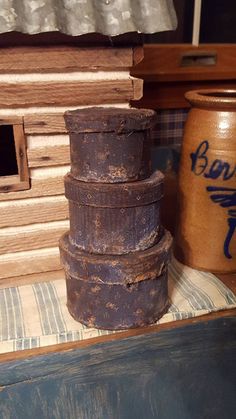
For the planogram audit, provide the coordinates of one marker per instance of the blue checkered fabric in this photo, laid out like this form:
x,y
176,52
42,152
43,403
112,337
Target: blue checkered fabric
x,y
170,126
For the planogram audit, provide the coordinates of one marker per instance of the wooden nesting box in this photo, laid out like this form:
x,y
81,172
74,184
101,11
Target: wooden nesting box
x,y
116,253
119,220
117,292
113,201
110,145
37,84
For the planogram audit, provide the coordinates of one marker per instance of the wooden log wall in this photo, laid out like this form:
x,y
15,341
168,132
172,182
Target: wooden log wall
x,y
38,85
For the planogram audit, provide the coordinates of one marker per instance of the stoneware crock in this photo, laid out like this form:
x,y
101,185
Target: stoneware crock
x,y
206,226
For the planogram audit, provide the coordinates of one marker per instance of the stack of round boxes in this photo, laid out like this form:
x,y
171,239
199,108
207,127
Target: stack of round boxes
x,y
116,253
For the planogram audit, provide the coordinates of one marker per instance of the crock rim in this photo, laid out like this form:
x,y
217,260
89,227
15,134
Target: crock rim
x,y
207,98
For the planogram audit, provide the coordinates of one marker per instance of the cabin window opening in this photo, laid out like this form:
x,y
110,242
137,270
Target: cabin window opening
x,y
14,171
8,162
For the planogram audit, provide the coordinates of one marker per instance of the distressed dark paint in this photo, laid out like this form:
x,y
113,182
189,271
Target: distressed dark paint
x,y
109,145
183,373
116,292
109,306
115,269
99,119
114,212
114,228
128,194
109,157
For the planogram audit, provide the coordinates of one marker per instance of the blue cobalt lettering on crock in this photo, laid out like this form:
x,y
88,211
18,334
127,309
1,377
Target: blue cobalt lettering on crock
x,y
214,170
225,197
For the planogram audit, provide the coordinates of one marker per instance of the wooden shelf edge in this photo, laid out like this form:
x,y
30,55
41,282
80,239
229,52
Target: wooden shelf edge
x,y
162,63
69,346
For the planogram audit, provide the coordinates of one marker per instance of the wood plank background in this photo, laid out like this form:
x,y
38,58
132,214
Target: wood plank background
x,y
48,156
67,58
25,94
33,236
39,187
11,120
27,216
15,281
30,211
44,124
32,261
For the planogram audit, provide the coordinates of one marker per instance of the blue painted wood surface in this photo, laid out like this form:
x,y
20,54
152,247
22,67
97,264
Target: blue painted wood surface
x,y
181,373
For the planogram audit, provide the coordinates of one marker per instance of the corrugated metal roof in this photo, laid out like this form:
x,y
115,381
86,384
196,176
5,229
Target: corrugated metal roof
x,y
77,17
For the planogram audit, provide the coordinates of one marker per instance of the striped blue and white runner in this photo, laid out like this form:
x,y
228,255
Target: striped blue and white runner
x,y
36,315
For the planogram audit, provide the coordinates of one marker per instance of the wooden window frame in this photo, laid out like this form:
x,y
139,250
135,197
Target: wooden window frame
x,y
20,181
